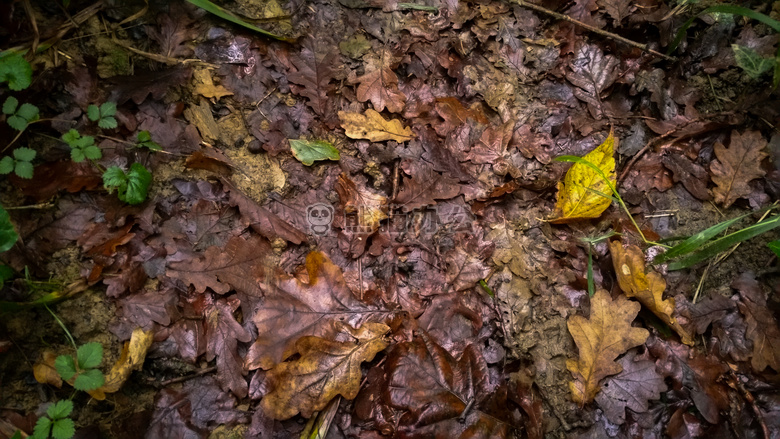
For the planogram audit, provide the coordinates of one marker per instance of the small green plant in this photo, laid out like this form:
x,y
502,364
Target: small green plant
x,y
57,424
81,147
83,367
20,163
16,71
132,186
19,116
144,140
103,115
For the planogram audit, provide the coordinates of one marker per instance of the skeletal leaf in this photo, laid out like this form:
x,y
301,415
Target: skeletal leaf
x,y
647,287
584,192
325,369
600,339
372,126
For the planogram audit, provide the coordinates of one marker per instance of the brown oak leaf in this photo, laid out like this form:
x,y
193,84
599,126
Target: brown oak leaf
x,y
369,207
325,369
316,67
631,388
762,328
372,126
424,187
647,287
223,333
736,166
292,309
600,339
379,84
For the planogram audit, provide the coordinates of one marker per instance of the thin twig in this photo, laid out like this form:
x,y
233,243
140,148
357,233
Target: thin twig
x,y
188,377
595,30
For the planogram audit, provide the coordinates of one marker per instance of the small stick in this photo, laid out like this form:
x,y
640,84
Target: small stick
x,y
595,30
189,377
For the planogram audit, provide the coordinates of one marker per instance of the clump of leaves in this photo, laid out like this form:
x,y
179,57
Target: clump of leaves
x,y
83,367
132,186
144,140
19,116
20,163
82,147
57,424
103,115
16,71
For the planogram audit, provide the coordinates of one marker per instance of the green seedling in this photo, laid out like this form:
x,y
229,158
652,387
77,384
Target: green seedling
x,y
83,366
15,70
19,116
81,147
144,140
57,423
775,247
132,187
103,115
20,164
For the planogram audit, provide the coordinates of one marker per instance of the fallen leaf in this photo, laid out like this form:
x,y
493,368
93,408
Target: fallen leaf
x,y
223,333
736,166
372,126
424,187
370,208
647,287
325,369
600,339
379,84
455,115
584,193
316,68
309,151
762,328
261,219
631,388
291,309
592,72
692,175
45,372
239,266
432,389
132,358
205,87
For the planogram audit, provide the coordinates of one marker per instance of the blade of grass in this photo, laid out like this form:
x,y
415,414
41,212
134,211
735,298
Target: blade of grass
x,y
229,16
696,241
725,242
726,9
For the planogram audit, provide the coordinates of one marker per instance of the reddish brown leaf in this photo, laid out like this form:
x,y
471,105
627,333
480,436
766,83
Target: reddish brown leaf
x,y
292,308
762,328
631,388
261,219
455,115
223,333
592,72
736,166
370,208
51,178
424,187
316,67
239,266
379,84
692,176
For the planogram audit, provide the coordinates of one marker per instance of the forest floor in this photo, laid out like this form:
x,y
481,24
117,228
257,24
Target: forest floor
x,y
358,219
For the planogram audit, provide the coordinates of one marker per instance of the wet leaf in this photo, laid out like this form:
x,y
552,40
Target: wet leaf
x,y
372,126
45,371
309,151
325,369
736,166
762,328
647,286
223,333
592,72
424,187
369,207
379,84
585,192
631,388
600,339
316,68
292,308
132,358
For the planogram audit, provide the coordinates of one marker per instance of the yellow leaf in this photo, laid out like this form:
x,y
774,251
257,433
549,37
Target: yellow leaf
x,y
648,287
132,358
600,339
44,370
325,369
374,127
584,193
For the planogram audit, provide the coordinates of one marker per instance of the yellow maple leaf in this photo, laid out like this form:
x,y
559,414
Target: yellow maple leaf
x,y
325,369
647,287
584,193
600,339
372,126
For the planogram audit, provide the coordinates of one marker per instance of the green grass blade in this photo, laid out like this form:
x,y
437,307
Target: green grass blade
x,y
725,242
726,9
696,241
229,16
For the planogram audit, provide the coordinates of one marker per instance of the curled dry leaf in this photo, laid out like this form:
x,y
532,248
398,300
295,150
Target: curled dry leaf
x,y
736,166
372,126
600,339
132,358
584,193
647,287
325,369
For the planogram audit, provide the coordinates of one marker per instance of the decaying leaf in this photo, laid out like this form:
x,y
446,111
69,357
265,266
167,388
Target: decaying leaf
x,y
372,126
369,207
379,84
631,388
223,332
762,328
647,287
292,309
736,166
584,193
132,358
600,339
325,369
44,371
